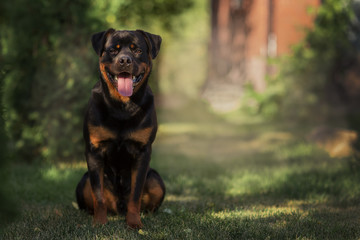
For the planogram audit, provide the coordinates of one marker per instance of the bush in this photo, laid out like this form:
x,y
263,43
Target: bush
x,y
49,66
306,86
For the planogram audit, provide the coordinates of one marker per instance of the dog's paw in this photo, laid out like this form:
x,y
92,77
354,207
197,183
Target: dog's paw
x,y
101,221
133,220
100,218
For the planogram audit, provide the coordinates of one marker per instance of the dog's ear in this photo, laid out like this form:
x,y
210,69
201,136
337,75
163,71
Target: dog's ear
x,y
153,41
98,40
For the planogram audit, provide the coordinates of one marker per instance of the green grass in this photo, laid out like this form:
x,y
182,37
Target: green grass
x,y
227,177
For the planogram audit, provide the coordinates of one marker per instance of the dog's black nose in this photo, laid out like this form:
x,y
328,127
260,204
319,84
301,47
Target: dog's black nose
x,y
125,60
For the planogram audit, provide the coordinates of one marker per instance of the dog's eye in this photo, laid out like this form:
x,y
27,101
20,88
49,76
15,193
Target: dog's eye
x,y
138,51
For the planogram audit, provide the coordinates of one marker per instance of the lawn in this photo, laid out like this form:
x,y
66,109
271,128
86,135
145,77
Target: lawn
x,y
227,177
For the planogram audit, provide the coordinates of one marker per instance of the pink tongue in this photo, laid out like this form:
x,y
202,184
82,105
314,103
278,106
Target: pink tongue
x,y
125,86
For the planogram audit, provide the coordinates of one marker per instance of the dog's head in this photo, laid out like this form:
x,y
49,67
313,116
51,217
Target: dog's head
x,y
125,59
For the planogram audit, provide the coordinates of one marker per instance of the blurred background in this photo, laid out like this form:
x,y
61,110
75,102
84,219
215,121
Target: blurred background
x,y
290,62
277,58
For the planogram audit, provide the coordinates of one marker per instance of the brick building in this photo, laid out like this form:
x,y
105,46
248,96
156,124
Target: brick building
x,y
275,25
245,33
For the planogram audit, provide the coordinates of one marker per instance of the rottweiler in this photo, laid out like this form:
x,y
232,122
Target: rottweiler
x,y
119,128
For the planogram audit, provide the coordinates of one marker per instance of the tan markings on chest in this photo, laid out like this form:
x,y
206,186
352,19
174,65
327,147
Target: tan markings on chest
x,y
99,134
142,135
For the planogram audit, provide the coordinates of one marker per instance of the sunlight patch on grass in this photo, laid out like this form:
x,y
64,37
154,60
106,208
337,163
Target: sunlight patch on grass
x,y
62,171
56,174
177,128
249,182
204,129
298,150
73,165
259,212
180,198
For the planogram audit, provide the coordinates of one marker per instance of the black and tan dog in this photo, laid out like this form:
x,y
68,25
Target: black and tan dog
x,y
119,128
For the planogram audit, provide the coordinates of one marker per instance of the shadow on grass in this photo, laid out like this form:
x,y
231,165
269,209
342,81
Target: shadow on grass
x,y
337,187
38,184
314,204
278,224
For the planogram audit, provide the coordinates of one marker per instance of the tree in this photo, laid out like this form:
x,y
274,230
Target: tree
x,y
49,66
320,80
226,74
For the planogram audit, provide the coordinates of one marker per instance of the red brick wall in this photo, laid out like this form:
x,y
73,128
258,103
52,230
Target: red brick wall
x,y
257,22
290,19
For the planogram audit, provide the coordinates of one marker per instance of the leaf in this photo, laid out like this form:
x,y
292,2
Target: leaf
x,y
167,210
75,205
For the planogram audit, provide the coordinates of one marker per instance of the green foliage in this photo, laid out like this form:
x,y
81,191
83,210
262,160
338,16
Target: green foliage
x,y
49,66
303,85
7,208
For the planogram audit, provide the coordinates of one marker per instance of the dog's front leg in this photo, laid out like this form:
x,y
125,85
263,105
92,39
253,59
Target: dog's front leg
x,y
96,172
138,176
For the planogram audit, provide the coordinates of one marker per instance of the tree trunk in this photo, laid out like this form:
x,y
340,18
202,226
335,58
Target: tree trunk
x,y
226,74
